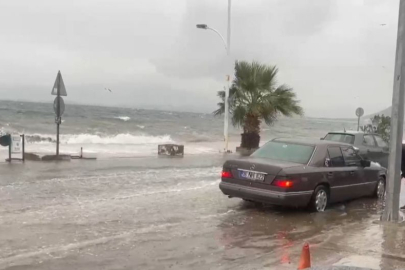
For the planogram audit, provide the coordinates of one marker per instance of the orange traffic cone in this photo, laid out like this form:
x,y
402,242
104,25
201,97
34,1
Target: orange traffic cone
x,y
305,260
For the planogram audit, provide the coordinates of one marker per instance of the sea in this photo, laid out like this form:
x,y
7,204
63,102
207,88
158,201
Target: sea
x,y
112,132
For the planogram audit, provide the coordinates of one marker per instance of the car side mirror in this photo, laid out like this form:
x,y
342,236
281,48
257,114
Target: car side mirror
x,y
365,163
322,139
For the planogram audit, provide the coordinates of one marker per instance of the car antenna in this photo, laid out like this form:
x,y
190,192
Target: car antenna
x,y
344,129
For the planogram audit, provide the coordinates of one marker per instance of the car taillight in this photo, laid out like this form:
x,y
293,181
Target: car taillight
x,y
226,174
283,183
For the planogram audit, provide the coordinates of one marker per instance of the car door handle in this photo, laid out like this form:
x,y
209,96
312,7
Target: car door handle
x,y
330,174
352,172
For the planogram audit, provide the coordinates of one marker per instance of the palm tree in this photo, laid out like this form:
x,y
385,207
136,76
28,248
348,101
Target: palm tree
x,y
254,97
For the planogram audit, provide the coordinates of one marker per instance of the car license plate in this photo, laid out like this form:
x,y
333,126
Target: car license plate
x,y
255,176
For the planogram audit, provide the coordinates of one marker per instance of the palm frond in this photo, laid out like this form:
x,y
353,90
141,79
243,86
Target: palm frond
x,y
220,110
221,94
255,97
238,116
286,102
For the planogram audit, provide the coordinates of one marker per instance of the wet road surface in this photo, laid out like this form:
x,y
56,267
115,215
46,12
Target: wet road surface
x,y
151,213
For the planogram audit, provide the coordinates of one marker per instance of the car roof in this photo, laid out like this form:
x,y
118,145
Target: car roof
x,y
309,141
351,132
346,132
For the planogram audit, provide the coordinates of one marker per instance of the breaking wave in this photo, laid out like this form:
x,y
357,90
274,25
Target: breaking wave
x,y
128,139
123,118
39,138
117,139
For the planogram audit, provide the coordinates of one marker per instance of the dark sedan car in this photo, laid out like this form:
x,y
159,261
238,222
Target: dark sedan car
x,y
302,173
370,146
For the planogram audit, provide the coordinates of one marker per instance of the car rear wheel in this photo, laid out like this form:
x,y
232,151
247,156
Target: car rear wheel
x,y
319,199
380,189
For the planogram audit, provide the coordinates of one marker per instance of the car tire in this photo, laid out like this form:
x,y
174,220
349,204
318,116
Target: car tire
x,y
380,189
320,199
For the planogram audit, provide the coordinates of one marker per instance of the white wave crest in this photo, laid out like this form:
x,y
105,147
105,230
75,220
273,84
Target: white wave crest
x,y
126,138
117,139
123,118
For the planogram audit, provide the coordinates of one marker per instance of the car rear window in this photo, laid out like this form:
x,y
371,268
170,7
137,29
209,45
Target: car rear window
x,y
291,152
340,137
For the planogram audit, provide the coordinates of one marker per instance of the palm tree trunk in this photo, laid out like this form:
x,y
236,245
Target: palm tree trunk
x,y
251,130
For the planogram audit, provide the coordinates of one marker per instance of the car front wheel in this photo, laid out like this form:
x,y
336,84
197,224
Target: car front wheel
x,y
320,199
380,189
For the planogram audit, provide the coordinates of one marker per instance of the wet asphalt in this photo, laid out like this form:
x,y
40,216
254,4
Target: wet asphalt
x,y
161,213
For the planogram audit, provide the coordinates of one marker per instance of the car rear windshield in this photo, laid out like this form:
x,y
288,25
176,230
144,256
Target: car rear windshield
x,y
340,137
291,152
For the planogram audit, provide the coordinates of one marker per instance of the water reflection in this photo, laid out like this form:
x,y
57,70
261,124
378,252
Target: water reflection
x,y
393,246
278,233
283,237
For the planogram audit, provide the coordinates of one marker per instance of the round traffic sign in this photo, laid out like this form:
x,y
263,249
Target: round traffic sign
x,y
61,106
359,112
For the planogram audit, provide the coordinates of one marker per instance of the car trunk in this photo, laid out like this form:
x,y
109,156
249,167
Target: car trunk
x,y
271,168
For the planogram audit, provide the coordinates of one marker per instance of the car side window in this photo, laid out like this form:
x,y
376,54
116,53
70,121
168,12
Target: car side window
x,y
380,142
369,140
336,157
350,156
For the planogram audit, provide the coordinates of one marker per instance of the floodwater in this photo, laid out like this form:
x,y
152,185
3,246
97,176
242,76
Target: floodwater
x,y
168,213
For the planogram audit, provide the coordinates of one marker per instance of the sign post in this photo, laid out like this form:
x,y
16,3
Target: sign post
x,y
359,113
58,105
391,210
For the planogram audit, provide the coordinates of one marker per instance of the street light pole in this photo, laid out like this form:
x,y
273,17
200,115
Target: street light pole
x,y
391,210
228,66
229,63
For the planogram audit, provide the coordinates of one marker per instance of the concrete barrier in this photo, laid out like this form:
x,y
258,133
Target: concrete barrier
x,y
170,150
32,157
56,158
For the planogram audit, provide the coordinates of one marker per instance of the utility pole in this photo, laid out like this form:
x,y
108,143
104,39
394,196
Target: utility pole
x,y
391,211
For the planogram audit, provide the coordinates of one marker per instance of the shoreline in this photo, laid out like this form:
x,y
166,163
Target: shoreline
x,y
103,151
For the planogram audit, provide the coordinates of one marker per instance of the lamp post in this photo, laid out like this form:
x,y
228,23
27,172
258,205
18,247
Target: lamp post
x,y
227,44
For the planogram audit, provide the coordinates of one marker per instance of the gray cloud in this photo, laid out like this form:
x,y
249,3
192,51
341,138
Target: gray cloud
x,y
334,53
261,31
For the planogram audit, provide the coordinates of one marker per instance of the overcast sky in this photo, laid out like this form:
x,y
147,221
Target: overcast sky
x,y
334,53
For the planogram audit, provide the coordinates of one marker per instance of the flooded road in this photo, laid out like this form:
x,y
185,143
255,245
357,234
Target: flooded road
x,y
151,213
